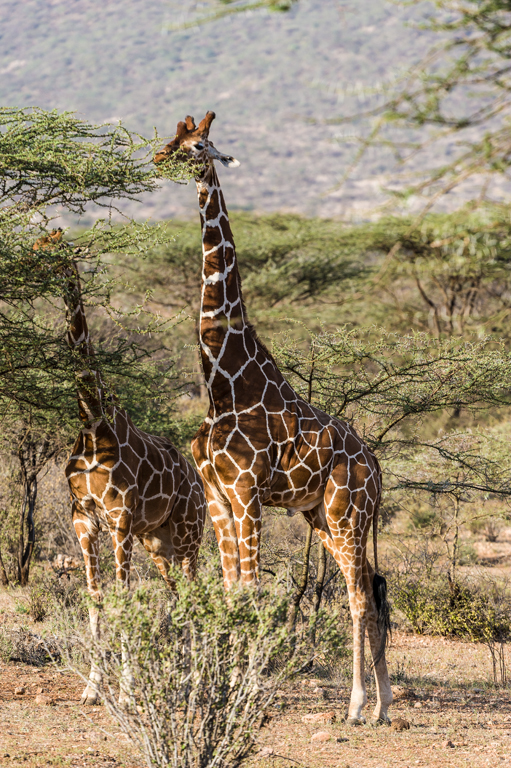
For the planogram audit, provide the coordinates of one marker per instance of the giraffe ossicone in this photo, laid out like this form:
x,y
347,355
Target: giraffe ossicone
x,y
262,444
123,480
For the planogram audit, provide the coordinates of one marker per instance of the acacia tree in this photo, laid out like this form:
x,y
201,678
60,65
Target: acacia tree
x,y
450,275
391,387
55,165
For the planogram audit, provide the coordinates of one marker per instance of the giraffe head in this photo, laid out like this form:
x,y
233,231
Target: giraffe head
x,y
49,241
194,143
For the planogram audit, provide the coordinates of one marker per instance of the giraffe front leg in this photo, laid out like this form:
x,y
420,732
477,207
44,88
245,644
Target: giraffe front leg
x,y
221,514
247,510
122,540
358,698
87,534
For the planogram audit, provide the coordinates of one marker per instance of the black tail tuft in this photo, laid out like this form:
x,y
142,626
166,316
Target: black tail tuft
x,y
383,607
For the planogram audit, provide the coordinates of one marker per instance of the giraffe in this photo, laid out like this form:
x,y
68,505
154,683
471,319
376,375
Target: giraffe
x,y
262,444
123,480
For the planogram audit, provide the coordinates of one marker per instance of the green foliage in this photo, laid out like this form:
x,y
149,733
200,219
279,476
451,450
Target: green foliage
x,y
456,266
439,607
21,608
52,158
384,380
456,100
422,517
49,161
283,258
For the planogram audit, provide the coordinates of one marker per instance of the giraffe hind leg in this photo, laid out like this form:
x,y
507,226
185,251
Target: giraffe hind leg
x,y
339,541
378,629
345,537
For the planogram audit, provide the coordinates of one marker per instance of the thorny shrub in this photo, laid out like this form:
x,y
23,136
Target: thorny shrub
x,y
50,589
478,613
203,666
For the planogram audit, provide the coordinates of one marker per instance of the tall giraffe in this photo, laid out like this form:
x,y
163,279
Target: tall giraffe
x,y
262,444
123,480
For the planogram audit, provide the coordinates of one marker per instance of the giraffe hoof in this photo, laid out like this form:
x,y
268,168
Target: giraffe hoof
x,y
382,720
90,699
355,721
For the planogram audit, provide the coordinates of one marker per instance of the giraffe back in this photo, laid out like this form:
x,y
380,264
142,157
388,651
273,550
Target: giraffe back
x,y
116,467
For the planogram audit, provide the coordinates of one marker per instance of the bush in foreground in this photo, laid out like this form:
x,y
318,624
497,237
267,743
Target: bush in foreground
x,y
200,665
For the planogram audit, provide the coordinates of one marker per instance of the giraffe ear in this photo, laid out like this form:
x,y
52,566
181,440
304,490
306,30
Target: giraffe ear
x,y
181,129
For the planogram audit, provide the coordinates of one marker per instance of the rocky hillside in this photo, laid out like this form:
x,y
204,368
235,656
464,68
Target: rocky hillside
x,y
273,80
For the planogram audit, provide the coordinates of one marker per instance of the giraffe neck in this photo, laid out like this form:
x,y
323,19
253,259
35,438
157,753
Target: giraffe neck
x,y
88,380
223,322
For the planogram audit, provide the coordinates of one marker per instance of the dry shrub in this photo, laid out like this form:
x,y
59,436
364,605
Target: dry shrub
x,y
202,664
51,590
28,647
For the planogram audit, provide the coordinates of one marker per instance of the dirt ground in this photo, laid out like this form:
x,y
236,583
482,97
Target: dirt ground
x,y
444,691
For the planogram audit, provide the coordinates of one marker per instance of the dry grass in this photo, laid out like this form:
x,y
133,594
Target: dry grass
x,y
451,699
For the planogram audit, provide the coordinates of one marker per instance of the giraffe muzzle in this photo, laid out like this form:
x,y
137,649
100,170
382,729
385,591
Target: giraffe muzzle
x,y
227,160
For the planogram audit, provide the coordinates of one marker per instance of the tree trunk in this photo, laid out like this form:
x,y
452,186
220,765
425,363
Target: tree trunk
x,y
318,590
4,579
302,586
26,545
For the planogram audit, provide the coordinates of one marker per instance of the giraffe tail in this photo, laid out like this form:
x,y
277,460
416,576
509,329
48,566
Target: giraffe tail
x,y
380,585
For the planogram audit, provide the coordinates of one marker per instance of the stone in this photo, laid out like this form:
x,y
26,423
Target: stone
x,y
401,692
44,699
319,717
19,691
67,562
447,744
418,705
321,736
266,752
399,724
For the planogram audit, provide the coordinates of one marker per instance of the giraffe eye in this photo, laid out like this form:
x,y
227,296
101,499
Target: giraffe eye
x,y
199,145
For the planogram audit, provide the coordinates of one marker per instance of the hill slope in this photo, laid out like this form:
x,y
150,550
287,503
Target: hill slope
x,y
266,76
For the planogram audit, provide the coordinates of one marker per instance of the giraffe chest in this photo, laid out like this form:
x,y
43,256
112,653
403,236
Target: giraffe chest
x,y
288,455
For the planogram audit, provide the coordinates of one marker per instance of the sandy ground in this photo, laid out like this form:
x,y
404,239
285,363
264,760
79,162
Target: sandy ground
x,y
445,692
